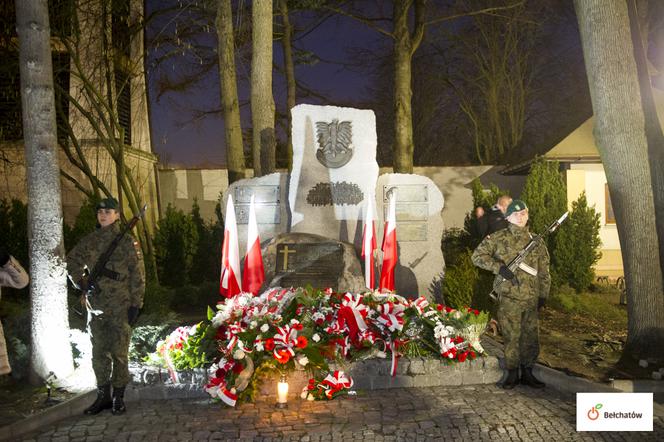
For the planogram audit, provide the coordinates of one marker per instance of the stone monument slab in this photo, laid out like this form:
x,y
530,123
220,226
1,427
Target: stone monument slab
x,y
419,208
270,196
334,169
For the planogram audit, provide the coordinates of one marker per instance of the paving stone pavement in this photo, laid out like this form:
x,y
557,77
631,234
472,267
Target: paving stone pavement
x,y
465,413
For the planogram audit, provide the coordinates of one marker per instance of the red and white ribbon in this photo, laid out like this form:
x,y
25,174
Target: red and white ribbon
x,y
354,312
286,338
335,382
391,315
420,304
231,335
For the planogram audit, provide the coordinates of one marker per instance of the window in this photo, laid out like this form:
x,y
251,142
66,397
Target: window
x,y
609,217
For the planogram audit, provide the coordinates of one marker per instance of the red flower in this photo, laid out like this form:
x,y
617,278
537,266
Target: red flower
x,y
237,368
282,356
221,333
439,307
477,312
269,344
472,354
301,342
297,326
299,309
462,356
448,309
319,321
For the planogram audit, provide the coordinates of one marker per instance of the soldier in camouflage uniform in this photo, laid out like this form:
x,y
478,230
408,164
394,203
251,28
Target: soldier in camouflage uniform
x,y
522,294
119,298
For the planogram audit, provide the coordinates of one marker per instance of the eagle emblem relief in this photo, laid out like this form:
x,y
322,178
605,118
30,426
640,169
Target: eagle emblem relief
x,y
335,143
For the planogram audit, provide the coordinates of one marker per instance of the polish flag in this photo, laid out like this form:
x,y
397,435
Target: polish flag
x,y
389,247
254,274
230,259
368,247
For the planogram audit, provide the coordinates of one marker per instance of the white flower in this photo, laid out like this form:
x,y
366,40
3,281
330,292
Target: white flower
x,y
310,397
253,324
259,346
381,354
238,354
457,314
316,337
294,321
304,393
303,361
318,316
265,328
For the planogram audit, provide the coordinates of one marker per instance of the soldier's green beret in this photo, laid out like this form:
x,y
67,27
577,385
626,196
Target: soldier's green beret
x,y
515,206
108,203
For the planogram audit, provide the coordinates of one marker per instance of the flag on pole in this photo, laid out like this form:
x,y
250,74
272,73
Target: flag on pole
x,y
368,246
389,247
254,274
230,259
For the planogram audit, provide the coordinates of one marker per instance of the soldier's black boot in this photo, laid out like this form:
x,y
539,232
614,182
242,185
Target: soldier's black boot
x,y
102,402
527,378
512,379
118,401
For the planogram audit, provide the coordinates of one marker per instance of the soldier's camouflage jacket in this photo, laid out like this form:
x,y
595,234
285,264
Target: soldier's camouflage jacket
x,y
126,265
500,248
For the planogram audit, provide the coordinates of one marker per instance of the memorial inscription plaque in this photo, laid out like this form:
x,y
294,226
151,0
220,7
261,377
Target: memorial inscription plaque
x,y
412,210
266,201
318,264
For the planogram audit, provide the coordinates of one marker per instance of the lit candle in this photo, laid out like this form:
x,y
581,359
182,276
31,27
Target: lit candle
x,y
282,391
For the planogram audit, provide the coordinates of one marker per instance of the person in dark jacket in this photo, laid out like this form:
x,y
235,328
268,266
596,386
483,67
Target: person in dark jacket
x,y
494,220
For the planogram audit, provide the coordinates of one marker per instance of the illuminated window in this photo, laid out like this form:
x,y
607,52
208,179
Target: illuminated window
x,y
609,217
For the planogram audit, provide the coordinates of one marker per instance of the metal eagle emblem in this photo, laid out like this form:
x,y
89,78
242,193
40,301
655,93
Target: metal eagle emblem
x,y
334,140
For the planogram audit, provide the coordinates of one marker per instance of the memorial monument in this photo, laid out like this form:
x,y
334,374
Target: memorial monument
x,y
311,222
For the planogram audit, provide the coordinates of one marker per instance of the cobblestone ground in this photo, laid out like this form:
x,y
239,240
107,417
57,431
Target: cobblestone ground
x,y
468,413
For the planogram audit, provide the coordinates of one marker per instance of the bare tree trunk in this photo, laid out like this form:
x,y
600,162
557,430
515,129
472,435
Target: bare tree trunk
x,y
405,46
262,100
653,128
229,99
289,67
51,351
623,146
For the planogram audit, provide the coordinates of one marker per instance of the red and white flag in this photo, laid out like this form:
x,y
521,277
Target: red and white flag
x,y
230,258
389,247
368,247
254,274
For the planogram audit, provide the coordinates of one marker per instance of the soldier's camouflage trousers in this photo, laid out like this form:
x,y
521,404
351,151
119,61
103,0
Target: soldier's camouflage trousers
x,y
110,348
518,325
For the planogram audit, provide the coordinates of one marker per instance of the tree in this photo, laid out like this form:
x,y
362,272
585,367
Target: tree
x,y
229,98
289,68
545,194
623,146
101,69
262,100
51,351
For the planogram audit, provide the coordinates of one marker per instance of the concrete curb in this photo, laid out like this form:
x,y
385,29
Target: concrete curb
x,y
71,407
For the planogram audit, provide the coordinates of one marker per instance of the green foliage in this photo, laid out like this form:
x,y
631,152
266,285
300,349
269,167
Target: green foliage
x,y
205,262
158,299
577,246
459,282
86,222
175,242
14,229
456,242
590,305
195,297
545,194
144,338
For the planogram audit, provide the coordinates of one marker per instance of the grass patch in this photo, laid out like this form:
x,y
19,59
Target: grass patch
x,y
601,306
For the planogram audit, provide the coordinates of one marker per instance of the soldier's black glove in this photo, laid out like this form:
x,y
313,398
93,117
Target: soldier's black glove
x,y
132,314
506,273
4,256
540,303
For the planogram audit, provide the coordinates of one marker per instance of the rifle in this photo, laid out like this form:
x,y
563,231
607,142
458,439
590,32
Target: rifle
x,y
521,256
88,283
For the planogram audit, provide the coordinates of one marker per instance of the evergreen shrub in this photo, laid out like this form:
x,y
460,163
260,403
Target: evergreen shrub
x,y
459,282
545,194
577,246
175,241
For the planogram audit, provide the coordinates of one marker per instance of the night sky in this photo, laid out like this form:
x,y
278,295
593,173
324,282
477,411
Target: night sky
x,y
181,139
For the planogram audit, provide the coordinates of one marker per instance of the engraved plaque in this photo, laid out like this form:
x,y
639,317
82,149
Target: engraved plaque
x,y
407,192
262,194
265,213
409,212
318,264
411,232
